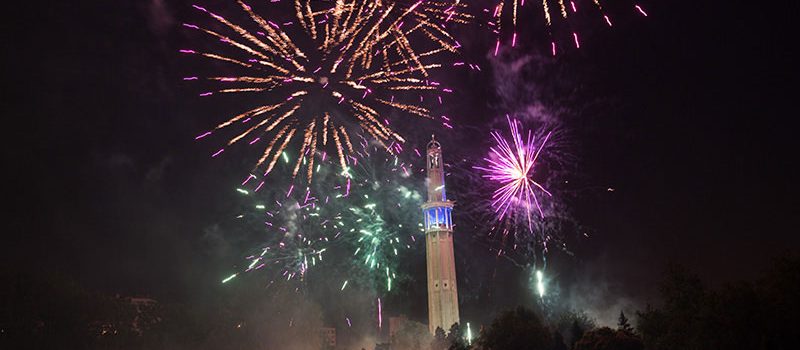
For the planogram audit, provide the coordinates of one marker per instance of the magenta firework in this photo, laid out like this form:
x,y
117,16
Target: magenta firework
x,y
510,166
554,12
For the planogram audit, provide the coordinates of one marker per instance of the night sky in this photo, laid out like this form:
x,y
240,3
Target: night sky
x,y
688,115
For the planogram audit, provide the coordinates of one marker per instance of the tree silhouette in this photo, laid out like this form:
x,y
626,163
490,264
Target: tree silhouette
x,y
576,332
558,341
518,329
439,340
608,339
568,321
455,338
740,315
623,323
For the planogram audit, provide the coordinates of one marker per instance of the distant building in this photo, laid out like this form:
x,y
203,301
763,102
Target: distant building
x,y
328,336
136,315
145,314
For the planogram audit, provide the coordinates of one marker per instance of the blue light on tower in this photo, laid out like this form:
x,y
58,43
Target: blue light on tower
x,y
439,218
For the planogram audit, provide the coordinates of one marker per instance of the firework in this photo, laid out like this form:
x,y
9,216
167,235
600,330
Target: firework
x,y
540,283
298,238
377,244
551,11
511,166
380,314
383,213
328,73
361,228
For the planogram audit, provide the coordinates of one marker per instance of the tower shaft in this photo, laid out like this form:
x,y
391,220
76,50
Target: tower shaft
x,y
437,211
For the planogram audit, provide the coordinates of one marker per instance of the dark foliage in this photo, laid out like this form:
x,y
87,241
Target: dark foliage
x,y
456,338
623,323
439,340
571,324
518,329
608,339
737,316
558,341
576,332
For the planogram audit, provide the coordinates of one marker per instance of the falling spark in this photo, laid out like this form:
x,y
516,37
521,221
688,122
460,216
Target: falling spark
x,y
641,10
229,278
506,14
380,314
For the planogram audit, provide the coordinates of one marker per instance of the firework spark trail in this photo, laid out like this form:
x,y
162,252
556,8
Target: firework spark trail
x,y
381,213
365,224
511,165
297,241
380,314
338,64
548,13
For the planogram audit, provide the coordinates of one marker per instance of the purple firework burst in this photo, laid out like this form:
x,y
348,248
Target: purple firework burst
x,y
511,164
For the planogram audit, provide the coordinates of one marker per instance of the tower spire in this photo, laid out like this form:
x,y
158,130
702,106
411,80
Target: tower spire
x,y
437,212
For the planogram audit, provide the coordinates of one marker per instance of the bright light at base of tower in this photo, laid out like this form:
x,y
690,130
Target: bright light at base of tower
x,y
540,283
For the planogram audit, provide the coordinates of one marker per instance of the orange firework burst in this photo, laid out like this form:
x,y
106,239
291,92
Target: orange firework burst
x,y
328,73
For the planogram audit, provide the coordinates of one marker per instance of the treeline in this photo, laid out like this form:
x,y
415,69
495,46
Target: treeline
x,y
761,314
39,311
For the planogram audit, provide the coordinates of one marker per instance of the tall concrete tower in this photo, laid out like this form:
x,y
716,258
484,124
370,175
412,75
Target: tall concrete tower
x,y
442,291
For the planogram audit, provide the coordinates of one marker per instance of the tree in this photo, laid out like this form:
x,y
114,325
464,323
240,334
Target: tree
x,y
576,332
567,322
679,324
455,338
778,290
518,329
623,323
608,339
439,340
741,315
558,341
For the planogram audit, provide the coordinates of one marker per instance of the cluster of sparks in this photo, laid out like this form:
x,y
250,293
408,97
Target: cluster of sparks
x,y
551,10
376,241
511,165
333,69
372,215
